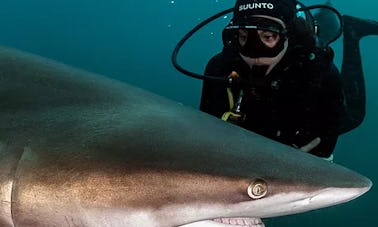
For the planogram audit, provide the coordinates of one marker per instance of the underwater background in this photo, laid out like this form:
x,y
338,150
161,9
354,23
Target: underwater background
x,y
132,41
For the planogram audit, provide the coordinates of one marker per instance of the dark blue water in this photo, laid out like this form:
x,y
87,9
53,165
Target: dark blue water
x,y
132,41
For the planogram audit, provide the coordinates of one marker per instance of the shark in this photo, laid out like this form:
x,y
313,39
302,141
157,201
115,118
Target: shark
x,y
81,149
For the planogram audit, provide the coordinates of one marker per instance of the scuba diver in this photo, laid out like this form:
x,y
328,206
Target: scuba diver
x,y
290,90
275,75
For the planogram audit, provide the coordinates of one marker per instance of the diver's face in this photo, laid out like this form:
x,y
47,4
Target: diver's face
x,y
263,41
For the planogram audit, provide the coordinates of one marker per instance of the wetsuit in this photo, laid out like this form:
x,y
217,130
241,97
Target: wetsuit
x,y
299,100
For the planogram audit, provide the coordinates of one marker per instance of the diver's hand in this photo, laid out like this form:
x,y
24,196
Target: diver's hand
x,y
314,143
308,147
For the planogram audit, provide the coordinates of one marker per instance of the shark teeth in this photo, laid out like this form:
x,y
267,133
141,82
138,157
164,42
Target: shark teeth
x,y
251,222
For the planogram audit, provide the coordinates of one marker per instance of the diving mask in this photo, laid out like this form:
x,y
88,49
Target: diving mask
x,y
260,37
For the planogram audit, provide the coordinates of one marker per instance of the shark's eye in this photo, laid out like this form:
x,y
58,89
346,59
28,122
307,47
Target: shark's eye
x,y
257,189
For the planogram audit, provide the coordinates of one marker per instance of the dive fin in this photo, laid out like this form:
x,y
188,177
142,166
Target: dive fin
x,y
358,28
351,71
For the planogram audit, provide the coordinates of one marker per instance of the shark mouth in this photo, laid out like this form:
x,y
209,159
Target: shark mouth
x,y
250,222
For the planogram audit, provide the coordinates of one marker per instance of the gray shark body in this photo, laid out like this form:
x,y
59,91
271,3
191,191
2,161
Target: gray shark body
x,y
78,149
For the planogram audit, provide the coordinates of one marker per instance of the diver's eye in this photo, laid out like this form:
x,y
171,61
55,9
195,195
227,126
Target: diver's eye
x,y
243,36
257,189
270,39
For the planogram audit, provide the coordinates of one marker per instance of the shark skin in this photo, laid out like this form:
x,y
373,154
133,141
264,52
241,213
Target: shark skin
x,y
79,149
